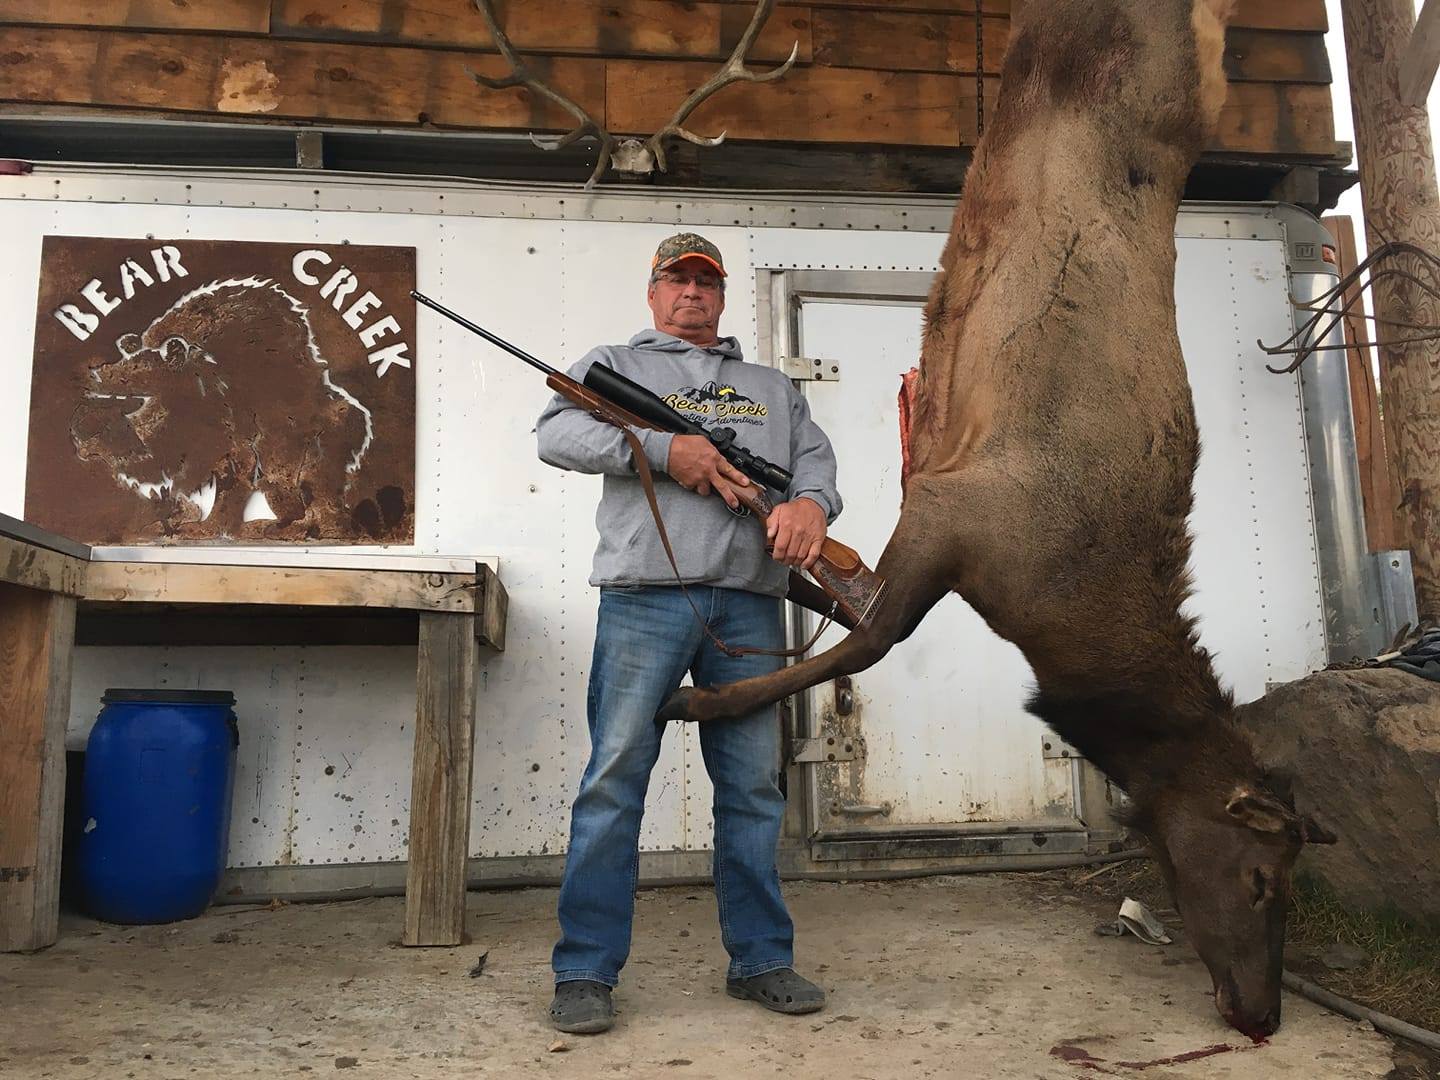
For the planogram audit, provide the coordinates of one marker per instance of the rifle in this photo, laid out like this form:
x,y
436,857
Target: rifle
x,y
848,591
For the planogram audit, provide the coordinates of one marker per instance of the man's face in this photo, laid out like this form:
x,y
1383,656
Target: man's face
x,y
686,300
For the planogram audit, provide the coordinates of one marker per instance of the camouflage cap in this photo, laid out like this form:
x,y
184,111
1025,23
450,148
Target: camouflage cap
x,y
686,245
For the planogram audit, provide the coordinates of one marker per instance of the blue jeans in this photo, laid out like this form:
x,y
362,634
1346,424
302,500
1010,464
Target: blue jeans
x,y
646,640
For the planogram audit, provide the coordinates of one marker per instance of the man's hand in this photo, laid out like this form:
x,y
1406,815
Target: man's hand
x,y
795,532
696,464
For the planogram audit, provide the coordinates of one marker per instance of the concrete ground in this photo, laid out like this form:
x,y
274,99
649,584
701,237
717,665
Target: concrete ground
x,y
994,977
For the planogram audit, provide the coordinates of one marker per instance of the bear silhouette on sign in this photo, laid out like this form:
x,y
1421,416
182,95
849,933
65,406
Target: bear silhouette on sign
x,y
222,398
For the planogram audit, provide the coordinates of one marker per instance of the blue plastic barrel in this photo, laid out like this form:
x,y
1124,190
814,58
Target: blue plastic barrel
x,y
159,771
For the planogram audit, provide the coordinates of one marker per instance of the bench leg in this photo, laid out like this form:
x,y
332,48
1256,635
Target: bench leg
x,y
440,782
37,633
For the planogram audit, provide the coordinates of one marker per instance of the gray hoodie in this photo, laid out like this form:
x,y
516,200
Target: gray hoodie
x,y
713,386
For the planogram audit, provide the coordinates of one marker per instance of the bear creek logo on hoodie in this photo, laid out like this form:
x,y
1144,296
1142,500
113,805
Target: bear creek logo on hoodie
x,y
717,402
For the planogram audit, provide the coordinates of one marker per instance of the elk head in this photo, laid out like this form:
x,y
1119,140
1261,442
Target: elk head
x,y
628,155
1227,857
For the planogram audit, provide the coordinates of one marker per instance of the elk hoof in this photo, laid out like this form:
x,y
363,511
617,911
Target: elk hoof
x,y
680,707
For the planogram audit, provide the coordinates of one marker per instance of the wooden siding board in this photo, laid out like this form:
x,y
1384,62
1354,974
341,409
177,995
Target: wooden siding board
x,y
396,85
617,28
51,66
654,26
1281,15
1252,14
786,27
1277,118
936,7
1271,56
302,80
906,41
808,105
875,39
237,16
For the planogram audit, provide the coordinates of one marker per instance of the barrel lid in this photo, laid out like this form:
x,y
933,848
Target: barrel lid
x,y
169,697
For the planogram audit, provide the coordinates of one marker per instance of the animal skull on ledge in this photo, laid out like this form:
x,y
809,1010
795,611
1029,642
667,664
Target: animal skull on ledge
x,y
630,155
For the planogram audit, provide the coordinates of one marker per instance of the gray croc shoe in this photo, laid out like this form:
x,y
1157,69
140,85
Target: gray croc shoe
x,y
582,1007
782,990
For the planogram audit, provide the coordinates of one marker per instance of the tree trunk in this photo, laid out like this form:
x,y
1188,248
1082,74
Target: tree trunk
x,y
1397,181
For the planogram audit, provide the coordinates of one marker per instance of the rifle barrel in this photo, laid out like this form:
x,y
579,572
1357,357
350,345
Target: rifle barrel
x,y
637,399
513,350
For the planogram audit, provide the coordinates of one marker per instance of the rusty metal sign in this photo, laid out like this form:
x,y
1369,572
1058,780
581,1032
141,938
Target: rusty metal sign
x,y
207,391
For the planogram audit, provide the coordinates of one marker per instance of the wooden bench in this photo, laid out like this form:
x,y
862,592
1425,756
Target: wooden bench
x,y
47,583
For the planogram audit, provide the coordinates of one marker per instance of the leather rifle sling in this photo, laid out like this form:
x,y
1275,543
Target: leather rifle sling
x,y
647,481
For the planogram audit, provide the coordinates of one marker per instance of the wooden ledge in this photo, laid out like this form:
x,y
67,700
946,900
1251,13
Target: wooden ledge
x,y
23,563
206,592
364,604
199,583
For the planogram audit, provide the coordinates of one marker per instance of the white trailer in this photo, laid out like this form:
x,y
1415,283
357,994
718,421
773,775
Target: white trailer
x,y
928,760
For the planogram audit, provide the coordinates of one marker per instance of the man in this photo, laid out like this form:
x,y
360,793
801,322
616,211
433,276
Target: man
x,y
647,636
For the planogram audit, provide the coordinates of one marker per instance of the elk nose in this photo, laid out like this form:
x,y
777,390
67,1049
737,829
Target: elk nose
x,y
1256,1029
1271,1023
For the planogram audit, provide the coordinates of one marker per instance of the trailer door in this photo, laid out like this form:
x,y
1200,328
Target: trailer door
x,y
930,753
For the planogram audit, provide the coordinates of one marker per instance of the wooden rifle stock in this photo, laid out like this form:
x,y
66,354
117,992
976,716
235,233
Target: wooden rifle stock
x,y
852,591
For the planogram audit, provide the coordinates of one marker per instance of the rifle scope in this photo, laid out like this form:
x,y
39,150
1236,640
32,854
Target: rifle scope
x,y
630,395
633,397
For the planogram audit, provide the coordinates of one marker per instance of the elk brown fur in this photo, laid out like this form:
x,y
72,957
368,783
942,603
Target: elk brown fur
x,y
1054,449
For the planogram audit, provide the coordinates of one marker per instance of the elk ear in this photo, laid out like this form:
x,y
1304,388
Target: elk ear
x,y
1312,832
1261,812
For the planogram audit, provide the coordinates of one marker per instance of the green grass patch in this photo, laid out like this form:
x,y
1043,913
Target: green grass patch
x,y
1402,974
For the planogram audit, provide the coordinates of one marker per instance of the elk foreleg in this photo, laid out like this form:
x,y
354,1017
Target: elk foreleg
x,y
917,566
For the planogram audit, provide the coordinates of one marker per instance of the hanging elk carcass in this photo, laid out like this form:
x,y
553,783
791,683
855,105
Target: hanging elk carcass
x,y
628,155
1054,447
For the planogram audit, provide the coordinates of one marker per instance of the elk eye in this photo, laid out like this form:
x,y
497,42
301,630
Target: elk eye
x,y
1259,888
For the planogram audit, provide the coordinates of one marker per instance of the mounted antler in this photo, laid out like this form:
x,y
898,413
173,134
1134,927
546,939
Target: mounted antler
x,y
521,76
733,71
631,155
